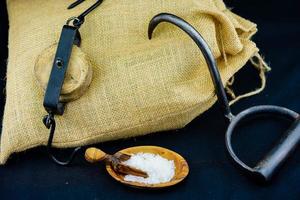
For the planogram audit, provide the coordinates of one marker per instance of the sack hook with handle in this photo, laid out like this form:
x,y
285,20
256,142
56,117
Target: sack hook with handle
x,y
266,168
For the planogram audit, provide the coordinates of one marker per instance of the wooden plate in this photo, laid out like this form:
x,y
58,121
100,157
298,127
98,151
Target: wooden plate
x,y
181,171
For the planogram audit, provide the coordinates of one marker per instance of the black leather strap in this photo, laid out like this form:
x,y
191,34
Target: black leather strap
x,y
69,36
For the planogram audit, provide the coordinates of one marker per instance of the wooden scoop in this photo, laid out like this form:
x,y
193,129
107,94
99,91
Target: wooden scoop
x,y
94,155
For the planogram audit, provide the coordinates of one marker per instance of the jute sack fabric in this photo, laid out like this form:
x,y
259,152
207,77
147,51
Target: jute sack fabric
x,y
139,86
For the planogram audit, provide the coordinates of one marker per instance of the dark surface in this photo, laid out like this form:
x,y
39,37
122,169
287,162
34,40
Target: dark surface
x,y
31,175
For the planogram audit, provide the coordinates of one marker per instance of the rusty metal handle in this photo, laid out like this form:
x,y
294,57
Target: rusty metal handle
x,y
268,166
280,152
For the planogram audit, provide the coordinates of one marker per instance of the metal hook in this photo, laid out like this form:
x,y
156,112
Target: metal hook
x,y
80,19
203,46
49,122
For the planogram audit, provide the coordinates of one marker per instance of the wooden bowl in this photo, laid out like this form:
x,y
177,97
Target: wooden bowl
x,y
181,166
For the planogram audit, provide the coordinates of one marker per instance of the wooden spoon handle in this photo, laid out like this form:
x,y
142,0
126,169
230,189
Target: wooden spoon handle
x,y
93,155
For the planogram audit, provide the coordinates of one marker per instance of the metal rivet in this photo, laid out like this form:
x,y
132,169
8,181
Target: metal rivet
x,y
59,63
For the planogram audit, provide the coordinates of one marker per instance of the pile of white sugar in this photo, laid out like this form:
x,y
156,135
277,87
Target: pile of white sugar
x,y
159,169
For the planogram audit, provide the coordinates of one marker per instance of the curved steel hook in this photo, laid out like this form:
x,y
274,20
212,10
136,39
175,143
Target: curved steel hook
x,y
49,122
203,46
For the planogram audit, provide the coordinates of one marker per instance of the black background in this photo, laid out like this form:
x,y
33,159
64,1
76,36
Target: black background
x,y
31,175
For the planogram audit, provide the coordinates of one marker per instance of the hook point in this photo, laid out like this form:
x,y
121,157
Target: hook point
x,y
149,35
76,3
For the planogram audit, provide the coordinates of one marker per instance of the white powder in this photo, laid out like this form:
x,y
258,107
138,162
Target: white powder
x,y
159,169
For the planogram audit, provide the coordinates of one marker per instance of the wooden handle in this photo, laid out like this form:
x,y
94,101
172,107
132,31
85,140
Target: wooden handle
x,y
93,155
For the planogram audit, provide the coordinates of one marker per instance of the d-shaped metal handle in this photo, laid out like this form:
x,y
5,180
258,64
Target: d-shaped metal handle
x,y
272,161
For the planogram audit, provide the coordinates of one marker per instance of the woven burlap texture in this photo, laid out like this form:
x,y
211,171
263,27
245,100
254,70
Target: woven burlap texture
x,y
139,86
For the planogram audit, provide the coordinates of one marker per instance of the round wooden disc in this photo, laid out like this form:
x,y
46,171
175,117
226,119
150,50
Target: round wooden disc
x,y
78,76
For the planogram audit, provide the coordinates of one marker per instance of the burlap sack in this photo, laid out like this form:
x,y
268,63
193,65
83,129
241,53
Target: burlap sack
x,y
139,86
